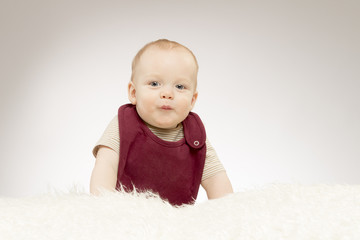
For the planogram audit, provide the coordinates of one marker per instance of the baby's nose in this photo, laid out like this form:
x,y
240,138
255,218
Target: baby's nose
x,y
167,94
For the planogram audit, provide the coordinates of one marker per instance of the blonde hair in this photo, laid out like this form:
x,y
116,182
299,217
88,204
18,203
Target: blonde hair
x,y
164,44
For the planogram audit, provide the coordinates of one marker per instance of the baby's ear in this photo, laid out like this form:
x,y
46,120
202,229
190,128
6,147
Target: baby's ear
x,y
132,92
193,100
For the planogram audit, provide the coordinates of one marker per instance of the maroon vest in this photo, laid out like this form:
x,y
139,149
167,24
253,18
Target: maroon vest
x,y
171,169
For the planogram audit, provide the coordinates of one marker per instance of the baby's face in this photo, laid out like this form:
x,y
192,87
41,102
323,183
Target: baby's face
x,y
164,86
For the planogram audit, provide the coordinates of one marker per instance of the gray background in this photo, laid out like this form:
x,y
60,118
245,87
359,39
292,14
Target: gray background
x,y
278,85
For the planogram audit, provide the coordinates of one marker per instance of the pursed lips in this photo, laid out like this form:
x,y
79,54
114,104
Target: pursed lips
x,y
166,107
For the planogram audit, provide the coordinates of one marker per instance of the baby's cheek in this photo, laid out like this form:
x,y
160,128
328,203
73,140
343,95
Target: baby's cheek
x,y
142,110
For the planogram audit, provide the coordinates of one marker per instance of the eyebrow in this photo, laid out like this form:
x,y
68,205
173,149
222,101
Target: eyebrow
x,y
153,75
156,75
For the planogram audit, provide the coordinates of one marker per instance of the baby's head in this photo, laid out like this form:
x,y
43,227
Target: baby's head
x,y
163,83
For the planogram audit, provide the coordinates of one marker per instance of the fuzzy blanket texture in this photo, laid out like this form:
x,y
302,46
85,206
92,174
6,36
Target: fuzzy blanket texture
x,y
275,211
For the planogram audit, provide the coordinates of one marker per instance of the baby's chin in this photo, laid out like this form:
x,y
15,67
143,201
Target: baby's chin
x,y
163,122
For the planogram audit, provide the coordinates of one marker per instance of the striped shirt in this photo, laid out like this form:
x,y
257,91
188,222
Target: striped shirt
x,y
111,139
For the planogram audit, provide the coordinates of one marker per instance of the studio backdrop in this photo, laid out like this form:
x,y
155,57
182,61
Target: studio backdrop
x,y
278,86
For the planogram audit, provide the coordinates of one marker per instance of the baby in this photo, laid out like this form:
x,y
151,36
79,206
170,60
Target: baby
x,y
156,143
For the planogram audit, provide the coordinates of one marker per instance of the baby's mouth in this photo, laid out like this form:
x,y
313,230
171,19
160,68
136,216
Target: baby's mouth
x,y
166,107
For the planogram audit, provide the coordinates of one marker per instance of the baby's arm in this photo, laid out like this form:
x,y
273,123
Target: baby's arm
x,y
217,186
104,174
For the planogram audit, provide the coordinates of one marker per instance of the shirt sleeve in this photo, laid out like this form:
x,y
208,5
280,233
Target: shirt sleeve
x,y
212,162
111,139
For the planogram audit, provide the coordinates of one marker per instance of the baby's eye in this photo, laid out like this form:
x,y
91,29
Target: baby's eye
x,y
154,84
179,86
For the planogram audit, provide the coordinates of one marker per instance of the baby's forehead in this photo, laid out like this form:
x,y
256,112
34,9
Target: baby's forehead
x,y
163,54
177,60
175,50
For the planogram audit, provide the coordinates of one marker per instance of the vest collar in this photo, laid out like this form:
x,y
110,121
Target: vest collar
x,y
195,134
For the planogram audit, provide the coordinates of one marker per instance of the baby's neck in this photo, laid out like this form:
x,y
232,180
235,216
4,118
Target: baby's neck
x,y
151,127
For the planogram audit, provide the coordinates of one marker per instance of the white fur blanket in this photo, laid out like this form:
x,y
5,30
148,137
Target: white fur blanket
x,y
273,212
